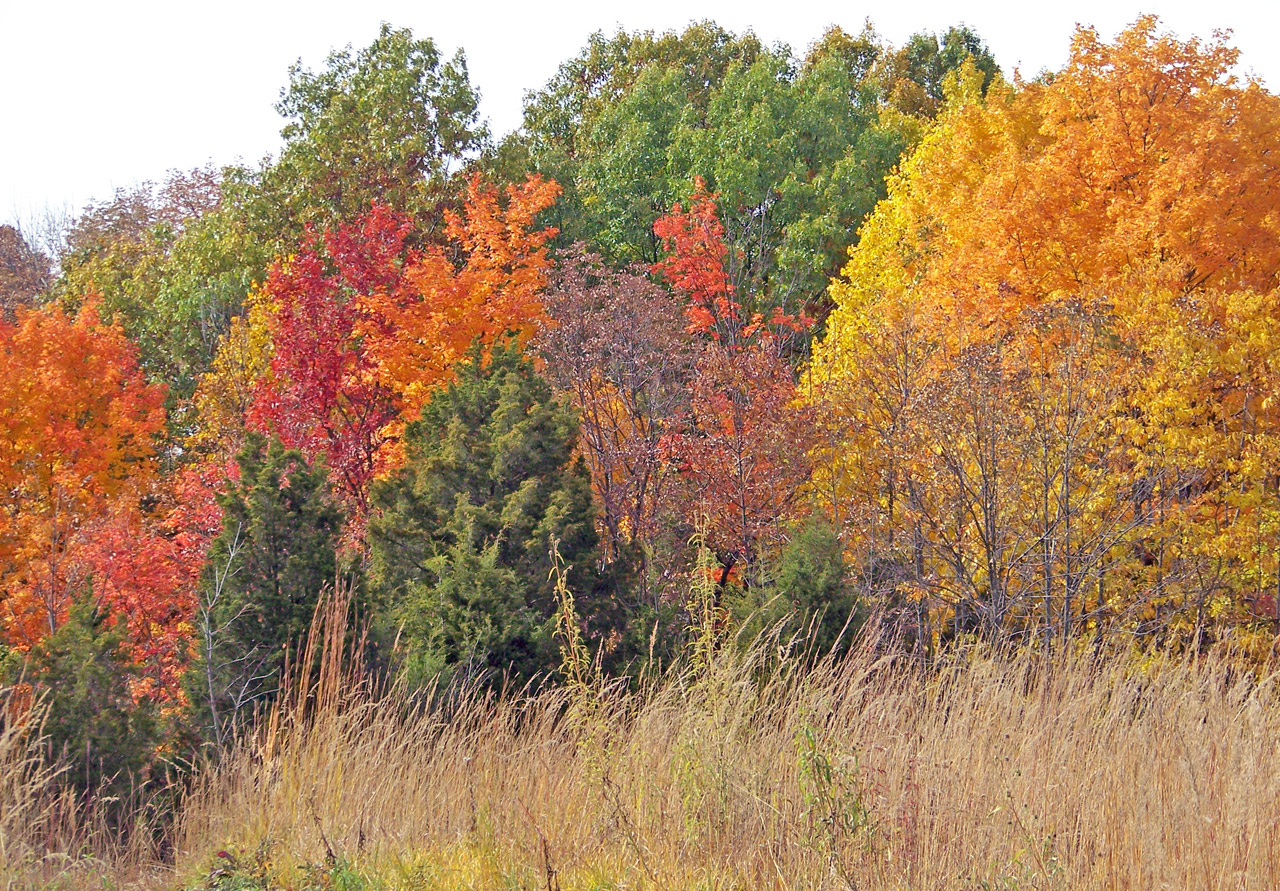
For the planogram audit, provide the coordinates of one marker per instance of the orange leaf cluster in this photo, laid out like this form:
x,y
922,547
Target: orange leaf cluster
x,y
418,331
78,425
1050,368
696,264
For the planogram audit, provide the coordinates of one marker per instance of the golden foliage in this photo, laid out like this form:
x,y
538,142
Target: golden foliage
x,y
1105,246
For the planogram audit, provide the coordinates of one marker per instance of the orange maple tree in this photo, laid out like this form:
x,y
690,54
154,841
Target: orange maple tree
x,y
417,332
143,576
695,264
1096,258
78,430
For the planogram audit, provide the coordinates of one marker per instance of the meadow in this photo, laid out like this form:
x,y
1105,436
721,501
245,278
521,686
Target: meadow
x,y
745,765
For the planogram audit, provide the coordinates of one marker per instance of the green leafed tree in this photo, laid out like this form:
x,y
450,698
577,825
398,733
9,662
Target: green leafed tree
x,y
389,124
167,269
813,581
461,538
797,150
912,78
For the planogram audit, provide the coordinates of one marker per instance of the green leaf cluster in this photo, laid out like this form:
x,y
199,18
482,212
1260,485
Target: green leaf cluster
x,y
387,124
277,550
461,541
797,151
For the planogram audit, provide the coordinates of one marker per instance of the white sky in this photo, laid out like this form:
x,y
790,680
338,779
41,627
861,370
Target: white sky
x,y
98,95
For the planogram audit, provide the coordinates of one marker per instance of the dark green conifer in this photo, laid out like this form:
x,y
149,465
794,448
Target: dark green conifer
x,y
258,593
461,538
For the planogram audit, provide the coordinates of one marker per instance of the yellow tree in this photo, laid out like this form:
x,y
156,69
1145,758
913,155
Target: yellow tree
x,y
225,393
1140,182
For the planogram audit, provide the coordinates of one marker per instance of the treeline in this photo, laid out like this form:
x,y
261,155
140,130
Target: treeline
x,y
871,330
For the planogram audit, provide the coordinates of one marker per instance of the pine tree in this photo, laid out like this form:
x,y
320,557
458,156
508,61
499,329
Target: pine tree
x,y
104,736
276,551
461,538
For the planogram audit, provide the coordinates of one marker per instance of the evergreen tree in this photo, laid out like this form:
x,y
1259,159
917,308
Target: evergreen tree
x,y
810,590
83,675
812,578
461,538
277,550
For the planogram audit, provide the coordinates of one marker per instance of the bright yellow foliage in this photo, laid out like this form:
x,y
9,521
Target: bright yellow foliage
x,y
224,393
1050,372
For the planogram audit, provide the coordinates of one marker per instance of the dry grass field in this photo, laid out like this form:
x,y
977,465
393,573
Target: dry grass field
x,y
743,769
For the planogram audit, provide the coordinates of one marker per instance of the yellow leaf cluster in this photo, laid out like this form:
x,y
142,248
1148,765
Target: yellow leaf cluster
x,y
1049,376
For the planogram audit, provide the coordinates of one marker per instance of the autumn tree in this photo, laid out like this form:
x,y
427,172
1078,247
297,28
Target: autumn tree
x,y
740,452
78,432
617,344
25,272
1075,390
1136,184
225,394
348,336
416,333
321,393
142,577
741,445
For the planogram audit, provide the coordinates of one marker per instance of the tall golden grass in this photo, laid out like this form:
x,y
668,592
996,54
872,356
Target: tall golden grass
x,y
26,782
49,836
748,768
